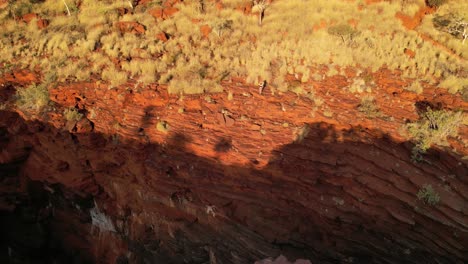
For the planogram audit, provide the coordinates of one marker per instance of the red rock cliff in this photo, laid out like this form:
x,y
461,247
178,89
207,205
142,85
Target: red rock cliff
x,y
230,181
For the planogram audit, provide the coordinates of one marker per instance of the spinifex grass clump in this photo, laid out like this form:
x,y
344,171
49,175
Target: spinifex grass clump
x,y
32,98
72,114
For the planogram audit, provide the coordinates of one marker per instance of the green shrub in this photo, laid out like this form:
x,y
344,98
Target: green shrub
x,y
428,195
433,128
72,114
441,22
346,32
454,24
435,3
35,97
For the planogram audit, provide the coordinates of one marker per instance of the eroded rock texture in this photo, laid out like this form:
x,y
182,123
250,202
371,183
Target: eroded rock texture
x,y
227,182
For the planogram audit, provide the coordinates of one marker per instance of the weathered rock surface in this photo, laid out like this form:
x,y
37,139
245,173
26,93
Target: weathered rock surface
x,y
229,183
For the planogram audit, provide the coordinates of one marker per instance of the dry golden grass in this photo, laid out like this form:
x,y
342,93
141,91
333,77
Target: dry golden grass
x,y
454,84
415,87
72,114
114,76
85,42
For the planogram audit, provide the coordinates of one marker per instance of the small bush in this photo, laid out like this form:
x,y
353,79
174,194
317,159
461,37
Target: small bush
x,y
344,31
162,126
433,128
442,22
72,114
35,97
369,107
428,195
453,24
435,3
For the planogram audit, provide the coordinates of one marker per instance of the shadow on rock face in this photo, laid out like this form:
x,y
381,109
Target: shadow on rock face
x,y
336,196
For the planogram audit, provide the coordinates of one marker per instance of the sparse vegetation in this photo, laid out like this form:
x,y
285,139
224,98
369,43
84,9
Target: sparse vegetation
x,y
434,127
88,43
435,3
454,84
328,113
72,114
32,98
428,195
415,87
313,149
369,107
